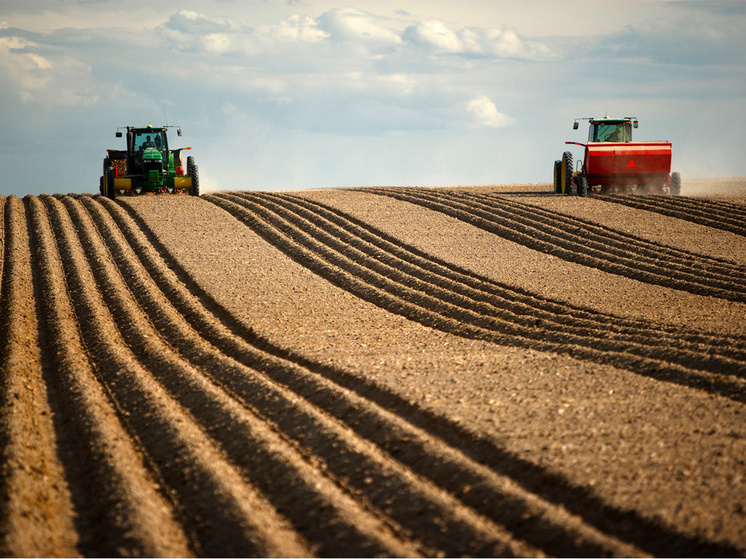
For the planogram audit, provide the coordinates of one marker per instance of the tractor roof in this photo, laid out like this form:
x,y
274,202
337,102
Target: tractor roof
x,y
610,120
147,128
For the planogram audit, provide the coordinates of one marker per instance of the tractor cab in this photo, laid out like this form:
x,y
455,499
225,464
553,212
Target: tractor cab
x,y
140,139
149,138
610,129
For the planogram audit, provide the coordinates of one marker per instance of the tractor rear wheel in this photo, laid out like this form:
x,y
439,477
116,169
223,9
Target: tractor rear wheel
x,y
557,177
109,190
193,172
675,189
102,182
566,173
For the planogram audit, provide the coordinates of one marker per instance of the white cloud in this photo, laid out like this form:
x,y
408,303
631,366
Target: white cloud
x,y
489,42
486,114
190,31
48,77
296,27
194,23
436,35
352,24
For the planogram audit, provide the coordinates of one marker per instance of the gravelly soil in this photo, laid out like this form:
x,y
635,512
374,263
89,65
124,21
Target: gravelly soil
x,y
488,370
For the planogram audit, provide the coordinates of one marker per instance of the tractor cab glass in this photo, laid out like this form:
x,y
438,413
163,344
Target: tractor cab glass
x,y
149,139
610,132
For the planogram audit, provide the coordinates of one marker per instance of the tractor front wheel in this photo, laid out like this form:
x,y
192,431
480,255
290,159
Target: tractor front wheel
x,y
566,173
193,172
557,177
582,185
102,182
109,190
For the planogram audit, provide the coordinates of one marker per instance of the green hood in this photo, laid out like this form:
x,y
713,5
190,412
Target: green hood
x,y
151,153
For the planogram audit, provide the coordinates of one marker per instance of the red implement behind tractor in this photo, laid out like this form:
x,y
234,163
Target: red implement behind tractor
x,y
614,163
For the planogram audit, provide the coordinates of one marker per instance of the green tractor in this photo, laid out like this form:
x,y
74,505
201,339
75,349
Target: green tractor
x,y
148,165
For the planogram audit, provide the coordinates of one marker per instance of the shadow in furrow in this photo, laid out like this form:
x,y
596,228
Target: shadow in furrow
x,y
515,229
224,516
593,234
99,465
412,302
431,515
524,307
711,213
268,459
469,292
627,525
521,303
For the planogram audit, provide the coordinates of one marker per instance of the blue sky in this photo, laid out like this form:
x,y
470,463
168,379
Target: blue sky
x,y
283,94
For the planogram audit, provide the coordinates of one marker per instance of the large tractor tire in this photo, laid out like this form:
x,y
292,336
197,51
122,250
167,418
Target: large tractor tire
x,y
566,173
582,183
102,182
557,177
110,192
193,172
675,189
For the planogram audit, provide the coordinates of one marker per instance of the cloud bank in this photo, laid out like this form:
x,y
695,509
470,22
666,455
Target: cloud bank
x,y
355,94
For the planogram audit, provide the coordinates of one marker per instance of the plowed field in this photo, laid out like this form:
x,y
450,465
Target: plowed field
x,y
475,371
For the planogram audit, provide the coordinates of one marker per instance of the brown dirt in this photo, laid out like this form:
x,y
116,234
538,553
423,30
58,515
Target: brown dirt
x,y
488,370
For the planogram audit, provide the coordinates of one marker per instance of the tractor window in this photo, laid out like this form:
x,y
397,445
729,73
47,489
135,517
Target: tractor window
x,y
150,138
610,132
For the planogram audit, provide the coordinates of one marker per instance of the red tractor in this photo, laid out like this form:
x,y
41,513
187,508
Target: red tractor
x,y
614,163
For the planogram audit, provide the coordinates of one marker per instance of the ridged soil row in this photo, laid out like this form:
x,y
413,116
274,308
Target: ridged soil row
x,y
228,396
593,234
236,401
556,241
599,240
516,306
349,462
419,298
712,213
116,499
355,463
219,513
35,504
402,474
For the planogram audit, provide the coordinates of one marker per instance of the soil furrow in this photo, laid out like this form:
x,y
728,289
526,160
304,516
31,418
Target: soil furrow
x,y
35,504
433,390
597,239
650,535
607,261
593,234
437,309
716,214
482,301
276,466
724,212
206,489
363,468
601,241
514,299
116,501
397,500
